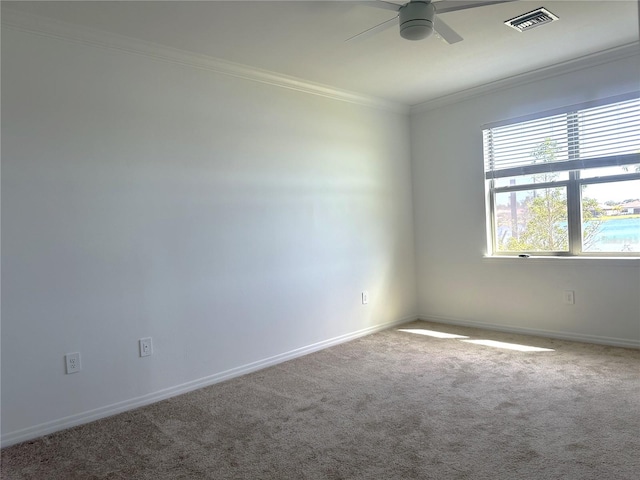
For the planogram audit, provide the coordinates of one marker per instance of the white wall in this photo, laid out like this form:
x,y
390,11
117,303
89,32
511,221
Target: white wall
x,y
231,221
455,284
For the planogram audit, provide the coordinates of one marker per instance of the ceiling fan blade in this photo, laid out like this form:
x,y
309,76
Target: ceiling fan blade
x,y
386,5
447,33
373,30
445,6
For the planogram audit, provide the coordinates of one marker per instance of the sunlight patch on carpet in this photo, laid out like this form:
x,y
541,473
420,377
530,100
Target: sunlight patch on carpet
x,y
430,333
510,346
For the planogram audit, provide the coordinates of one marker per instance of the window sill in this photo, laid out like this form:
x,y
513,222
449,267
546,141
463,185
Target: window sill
x,y
557,260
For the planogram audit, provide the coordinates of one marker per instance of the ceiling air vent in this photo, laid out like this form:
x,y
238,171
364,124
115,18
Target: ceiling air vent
x,y
530,20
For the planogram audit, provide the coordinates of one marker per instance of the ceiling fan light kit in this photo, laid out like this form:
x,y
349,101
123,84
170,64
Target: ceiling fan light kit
x,y
416,20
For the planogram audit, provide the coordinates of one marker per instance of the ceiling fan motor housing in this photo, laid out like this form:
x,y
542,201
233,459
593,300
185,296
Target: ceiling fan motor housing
x,y
416,20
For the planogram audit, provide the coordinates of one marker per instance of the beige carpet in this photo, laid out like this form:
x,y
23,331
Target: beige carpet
x,y
394,405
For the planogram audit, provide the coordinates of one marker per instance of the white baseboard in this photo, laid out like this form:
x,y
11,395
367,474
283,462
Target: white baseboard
x,y
46,428
576,337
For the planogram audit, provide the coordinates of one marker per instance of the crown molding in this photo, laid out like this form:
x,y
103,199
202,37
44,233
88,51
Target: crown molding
x,y
52,28
48,27
580,63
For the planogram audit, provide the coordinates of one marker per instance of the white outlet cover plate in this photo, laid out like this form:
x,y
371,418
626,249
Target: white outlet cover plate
x,y
146,346
569,297
72,361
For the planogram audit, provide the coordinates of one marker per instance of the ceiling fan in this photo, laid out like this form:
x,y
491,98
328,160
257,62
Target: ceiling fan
x,y
419,19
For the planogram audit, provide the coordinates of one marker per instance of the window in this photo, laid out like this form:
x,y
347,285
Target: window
x,y
566,182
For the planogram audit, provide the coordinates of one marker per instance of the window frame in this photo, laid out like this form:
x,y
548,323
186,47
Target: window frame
x,y
573,165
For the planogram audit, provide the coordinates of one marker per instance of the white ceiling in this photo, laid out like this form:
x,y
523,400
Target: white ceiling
x,y
306,39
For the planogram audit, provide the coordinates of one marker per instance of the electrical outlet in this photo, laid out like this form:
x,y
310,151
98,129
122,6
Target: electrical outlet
x,y
146,347
365,297
569,297
72,361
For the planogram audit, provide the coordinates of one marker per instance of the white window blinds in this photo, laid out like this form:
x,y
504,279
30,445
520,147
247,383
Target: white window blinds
x,y
577,137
